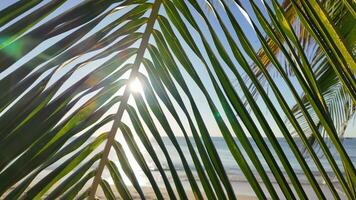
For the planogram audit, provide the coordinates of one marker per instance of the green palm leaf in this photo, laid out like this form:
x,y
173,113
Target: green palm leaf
x,y
72,127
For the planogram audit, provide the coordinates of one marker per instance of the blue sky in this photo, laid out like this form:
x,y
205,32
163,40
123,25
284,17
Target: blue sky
x,y
199,67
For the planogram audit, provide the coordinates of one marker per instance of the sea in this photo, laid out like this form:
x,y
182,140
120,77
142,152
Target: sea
x,y
231,167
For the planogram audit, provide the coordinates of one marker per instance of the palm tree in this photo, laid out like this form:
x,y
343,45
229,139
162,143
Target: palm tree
x,y
339,101
65,77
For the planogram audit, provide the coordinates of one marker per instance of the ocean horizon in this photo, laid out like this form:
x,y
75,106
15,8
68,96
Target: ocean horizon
x,y
231,167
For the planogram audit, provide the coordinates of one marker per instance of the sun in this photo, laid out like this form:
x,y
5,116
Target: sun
x,y
135,86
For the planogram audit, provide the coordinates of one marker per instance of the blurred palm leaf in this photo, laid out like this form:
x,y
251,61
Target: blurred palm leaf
x,y
65,78
340,101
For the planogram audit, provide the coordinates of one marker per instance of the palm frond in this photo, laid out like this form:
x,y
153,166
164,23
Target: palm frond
x,y
72,128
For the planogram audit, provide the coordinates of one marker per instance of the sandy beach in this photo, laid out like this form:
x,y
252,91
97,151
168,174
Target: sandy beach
x,y
242,190
150,195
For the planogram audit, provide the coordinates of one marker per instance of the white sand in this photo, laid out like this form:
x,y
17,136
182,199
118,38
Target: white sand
x,y
242,190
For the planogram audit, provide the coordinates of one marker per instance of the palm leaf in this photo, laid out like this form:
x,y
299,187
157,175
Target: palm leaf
x,y
69,121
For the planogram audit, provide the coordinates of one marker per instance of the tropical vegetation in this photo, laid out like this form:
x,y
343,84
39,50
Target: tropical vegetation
x,y
65,99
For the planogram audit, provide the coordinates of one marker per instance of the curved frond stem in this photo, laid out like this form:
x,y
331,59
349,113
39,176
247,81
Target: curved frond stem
x,y
122,107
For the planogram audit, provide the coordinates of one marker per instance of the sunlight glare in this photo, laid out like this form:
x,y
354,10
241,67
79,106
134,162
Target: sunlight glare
x,y
135,86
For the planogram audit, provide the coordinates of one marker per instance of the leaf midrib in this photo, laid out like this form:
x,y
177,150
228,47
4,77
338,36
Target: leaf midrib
x,y
122,107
